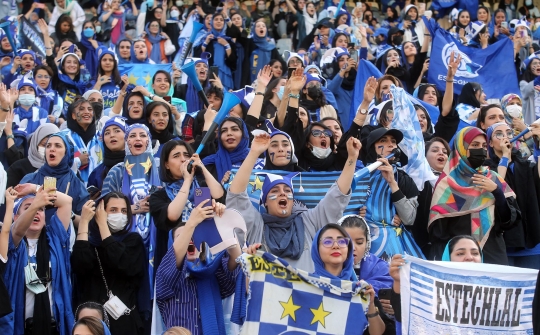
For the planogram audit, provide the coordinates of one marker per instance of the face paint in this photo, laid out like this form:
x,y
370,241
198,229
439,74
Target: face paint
x,y
381,147
272,197
272,157
288,155
283,212
290,196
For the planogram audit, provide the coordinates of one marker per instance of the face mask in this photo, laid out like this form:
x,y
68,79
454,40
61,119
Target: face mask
x,y
320,152
175,13
477,157
261,7
281,10
88,32
179,3
32,281
117,221
280,92
149,3
97,107
397,40
314,92
528,2
41,151
514,110
537,25
98,29
27,99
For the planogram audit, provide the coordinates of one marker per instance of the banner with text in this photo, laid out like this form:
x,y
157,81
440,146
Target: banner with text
x,y
466,298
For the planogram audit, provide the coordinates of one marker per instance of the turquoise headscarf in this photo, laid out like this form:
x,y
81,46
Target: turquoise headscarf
x,y
446,253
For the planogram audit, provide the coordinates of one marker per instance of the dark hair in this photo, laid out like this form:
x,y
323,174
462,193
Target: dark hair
x,y
164,173
90,21
422,91
119,195
116,78
394,14
334,39
216,15
95,306
333,119
440,140
218,92
307,133
274,61
454,240
336,20
167,74
341,230
484,8
79,100
528,75
65,18
393,79
94,325
355,221
483,113
268,94
45,68
72,41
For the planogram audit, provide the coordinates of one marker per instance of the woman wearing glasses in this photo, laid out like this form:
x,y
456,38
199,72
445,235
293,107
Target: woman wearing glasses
x,y
46,97
523,240
317,151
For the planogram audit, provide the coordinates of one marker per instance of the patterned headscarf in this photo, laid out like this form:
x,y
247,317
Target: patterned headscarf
x,y
455,194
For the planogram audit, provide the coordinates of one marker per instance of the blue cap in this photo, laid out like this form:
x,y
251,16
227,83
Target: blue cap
x,y
381,31
272,180
118,121
27,81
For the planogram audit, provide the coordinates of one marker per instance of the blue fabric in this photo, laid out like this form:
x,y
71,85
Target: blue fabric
x,y
238,315
79,86
80,148
239,64
209,294
27,115
343,99
90,57
155,53
223,159
58,239
375,271
110,92
225,74
347,273
264,53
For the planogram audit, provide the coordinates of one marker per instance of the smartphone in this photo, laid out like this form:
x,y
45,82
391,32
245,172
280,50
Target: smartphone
x,y
350,45
201,194
214,70
167,98
92,190
153,189
504,24
385,293
49,183
290,72
121,85
408,18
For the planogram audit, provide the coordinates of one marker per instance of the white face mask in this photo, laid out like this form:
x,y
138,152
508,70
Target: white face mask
x,y
320,152
175,13
514,110
41,151
117,222
537,24
261,7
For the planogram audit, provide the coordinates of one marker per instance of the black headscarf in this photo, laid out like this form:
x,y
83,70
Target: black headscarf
x,y
73,125
371,155
468,96
42,305
167,134
125,110
309,161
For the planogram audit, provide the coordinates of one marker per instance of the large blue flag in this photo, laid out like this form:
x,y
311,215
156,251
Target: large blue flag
x,y
492,67
141,74
285,300
366,69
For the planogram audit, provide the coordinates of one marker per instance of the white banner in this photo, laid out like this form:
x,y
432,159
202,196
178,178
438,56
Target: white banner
x,y
466,298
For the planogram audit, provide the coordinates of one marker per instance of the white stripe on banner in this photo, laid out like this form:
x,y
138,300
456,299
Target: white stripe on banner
x,y
466,298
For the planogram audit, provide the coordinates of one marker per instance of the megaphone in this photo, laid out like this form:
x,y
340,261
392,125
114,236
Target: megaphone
x,y
361,174
229,101
5,27
525,131
190,71
186,49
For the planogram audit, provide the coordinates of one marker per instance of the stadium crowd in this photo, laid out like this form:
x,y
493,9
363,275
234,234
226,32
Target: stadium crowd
x,y
105,138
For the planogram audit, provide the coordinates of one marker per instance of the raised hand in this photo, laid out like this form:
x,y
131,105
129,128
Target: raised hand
x,y
264,76
369,89
297,81
200,213
260,143
88,211
353,147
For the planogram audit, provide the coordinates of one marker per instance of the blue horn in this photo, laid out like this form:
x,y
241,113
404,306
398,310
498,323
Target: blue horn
x,y
361,174
186,49
5,28
191,72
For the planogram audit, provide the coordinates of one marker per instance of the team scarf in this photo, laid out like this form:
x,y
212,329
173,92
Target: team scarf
x,y
456,195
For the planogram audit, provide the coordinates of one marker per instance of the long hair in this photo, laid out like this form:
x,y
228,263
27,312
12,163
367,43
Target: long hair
x,y
94,325
115,78
164,173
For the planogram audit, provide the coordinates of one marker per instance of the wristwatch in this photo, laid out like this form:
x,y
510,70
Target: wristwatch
x,y
363,111
372,315
151,96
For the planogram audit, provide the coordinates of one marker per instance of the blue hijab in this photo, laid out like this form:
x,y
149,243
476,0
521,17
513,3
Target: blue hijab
x,y
90,57
194,103
223,159
117,48
446,253
264,52
80,85
348,271
155,53
219,56
134,59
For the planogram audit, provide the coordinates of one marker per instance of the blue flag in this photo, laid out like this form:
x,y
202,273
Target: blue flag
x,y
285,300
491,67
141,74
366,69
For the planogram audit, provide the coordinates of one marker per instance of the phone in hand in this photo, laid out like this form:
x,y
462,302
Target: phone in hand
x,y
504,25
167,98
385,293
290,72
201,194
215,71
92,190
408,18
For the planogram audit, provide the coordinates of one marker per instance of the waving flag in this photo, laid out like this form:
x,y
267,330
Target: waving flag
x,y
309,189
488,67
285,300
141,74
412,145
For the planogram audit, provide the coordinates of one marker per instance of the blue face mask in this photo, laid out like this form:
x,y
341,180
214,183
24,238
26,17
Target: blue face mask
x,y
280,92
149,3
88,32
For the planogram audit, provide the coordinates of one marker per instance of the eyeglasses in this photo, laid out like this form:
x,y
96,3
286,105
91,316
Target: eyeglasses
x,y
43,76
319,133
295,62
328,242
500,135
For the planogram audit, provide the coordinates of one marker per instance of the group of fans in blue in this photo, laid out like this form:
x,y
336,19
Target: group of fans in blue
x,y
98,173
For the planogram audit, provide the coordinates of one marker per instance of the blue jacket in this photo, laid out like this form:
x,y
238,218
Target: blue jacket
x,y
343,99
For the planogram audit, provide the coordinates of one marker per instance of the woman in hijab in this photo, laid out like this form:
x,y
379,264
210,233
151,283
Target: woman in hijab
x,y
280,154
156,43
113,137
511,105
523,240
317,150
393,65
135,177
461,22
259,50
413,25
139,53
314,100
36,155
81,125
172,204
21,66
39,256
471,98
28,116
530,79
219,44
59,156
233,148
342,83
187,91
332,252
159,119
46,97
123,51
89,47
90,325
487,207
107,250
71,9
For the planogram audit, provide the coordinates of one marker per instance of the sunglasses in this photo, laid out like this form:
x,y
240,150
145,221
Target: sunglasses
x,y
328,242
319,133
500,135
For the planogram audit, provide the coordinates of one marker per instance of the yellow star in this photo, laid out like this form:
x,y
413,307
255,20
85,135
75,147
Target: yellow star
x,y
147,78
132,79
128,167
319,314
289,308
147,165
257,184
383,224
398,231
